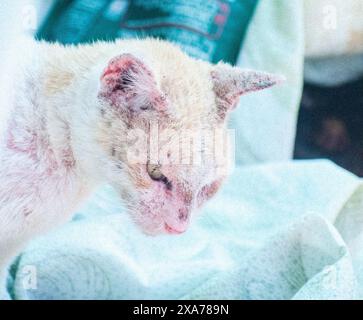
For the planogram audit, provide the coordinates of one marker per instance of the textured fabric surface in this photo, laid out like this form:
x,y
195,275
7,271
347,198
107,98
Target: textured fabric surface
x,y
282,231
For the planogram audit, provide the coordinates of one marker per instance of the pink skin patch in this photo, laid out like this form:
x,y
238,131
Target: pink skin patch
x,y
22,141
170,209
37,148
209,191
127,82
164,206
170,230
164,209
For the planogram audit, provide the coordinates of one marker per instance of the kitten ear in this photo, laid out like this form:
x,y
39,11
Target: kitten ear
x,y
229,83
128,83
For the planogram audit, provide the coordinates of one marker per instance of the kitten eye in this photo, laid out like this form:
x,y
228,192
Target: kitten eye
x,y
154,171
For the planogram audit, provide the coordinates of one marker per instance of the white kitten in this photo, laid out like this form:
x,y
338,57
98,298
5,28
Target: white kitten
x,y
73,115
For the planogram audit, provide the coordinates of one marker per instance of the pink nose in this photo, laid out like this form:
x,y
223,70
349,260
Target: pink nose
x,y
172,230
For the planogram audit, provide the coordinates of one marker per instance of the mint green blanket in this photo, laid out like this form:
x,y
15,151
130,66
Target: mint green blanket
x,y
283,231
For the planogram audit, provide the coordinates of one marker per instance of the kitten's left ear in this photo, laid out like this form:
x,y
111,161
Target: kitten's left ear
x,y
229,83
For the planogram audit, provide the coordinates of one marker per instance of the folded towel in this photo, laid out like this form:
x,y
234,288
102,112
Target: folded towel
x,y
281,231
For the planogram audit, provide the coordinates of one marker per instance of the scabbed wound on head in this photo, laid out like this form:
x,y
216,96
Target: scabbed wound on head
x,y
162,196
127,83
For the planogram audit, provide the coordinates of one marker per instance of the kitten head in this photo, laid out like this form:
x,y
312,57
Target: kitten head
x,y
164,130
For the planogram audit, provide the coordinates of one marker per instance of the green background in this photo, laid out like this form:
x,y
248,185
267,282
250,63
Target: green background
x,y
211,30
